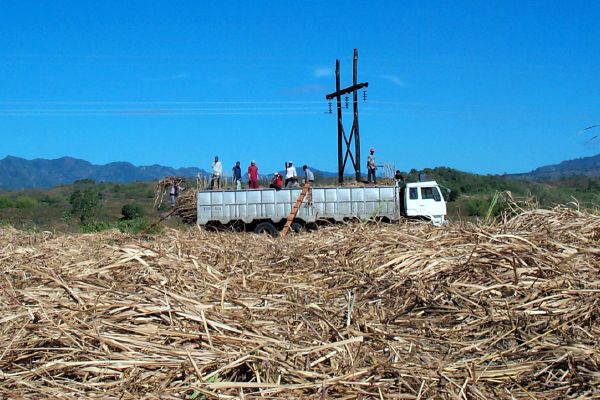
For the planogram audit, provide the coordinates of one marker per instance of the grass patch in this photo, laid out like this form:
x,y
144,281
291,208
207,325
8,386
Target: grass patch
x,y
135,225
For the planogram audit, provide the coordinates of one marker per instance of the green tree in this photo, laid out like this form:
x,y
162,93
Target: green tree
x,y
85,204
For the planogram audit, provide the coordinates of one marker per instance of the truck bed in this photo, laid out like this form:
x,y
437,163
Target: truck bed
x,y
337,203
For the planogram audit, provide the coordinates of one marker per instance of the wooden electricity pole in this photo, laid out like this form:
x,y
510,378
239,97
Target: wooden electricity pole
x,y
354,133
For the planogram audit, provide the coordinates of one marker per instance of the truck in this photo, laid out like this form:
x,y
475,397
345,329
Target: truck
x,y
266,210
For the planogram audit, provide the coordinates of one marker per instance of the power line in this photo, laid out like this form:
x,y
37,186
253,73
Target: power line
x,y
156,113
165,102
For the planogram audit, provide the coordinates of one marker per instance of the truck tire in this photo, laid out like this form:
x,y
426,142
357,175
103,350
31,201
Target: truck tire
x,y
297,227
266,227
312,226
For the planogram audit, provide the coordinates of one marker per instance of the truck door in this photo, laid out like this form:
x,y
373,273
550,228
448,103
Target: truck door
x,y
431,202
412,201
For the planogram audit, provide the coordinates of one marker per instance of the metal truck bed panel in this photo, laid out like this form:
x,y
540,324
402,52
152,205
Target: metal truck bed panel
x,y
269,204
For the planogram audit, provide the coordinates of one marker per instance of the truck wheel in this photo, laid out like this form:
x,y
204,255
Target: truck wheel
x,y
297,227
266,227
312,226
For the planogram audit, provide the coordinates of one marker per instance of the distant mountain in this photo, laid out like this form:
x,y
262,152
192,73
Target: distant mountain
x,y
586,166
19,173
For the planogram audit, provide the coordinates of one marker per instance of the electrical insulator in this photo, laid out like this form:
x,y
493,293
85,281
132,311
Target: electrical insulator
x,y
346,101
329,107
364,94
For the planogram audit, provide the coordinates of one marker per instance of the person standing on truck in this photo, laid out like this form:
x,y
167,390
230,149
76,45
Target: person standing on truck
x,y
371,166
277,181
217,171
398,178
236,173
253,175
309,177
291,177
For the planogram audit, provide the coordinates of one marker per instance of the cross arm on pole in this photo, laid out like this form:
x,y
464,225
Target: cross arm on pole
x,y
347,90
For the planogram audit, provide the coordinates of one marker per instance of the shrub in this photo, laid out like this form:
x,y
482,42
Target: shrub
x,y
131,211
50,200
96,226
6,202
25,202
135,225
476,206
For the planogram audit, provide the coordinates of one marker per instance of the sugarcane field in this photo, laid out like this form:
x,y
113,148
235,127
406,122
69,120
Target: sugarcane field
x,y
504,310
299,200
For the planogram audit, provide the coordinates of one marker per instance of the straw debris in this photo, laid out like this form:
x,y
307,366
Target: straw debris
x,y
349,312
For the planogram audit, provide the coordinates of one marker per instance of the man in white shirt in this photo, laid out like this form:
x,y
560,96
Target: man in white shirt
x,y
217,171
371,166
290,175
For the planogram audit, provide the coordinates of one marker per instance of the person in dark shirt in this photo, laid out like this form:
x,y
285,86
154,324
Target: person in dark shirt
x,y
236,172
398,178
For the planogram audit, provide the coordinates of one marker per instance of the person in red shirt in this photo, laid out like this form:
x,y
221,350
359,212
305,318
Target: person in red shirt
x,y
277,181
253,175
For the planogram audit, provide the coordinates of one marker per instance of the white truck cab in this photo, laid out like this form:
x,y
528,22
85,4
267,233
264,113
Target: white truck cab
x,y
423,199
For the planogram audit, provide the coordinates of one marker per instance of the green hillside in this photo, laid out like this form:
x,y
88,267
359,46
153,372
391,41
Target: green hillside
x,y
52,209
471,194
87,205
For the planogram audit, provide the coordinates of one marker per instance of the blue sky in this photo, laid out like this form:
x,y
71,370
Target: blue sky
x,y
487,87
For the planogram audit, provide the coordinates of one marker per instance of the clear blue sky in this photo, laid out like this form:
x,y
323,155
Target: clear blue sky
x,y
482,86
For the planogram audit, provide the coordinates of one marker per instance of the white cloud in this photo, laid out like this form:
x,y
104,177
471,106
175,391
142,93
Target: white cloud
x,y
394,79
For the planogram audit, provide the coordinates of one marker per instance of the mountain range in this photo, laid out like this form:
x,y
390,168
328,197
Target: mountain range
x,y
19,173
586,166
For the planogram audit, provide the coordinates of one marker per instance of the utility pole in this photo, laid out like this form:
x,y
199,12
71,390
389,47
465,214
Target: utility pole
x,y
354,133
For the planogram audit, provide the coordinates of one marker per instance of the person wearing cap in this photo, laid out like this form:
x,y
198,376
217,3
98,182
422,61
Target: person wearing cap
x,y
217,171
309,177
371,166
291,177
236,173
277,181
253,175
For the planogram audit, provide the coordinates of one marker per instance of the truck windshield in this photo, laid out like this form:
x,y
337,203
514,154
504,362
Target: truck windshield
x,y
430,193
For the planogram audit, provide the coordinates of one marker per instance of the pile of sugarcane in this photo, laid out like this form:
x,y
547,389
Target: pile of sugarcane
x,y
357,311
185,206
163,187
